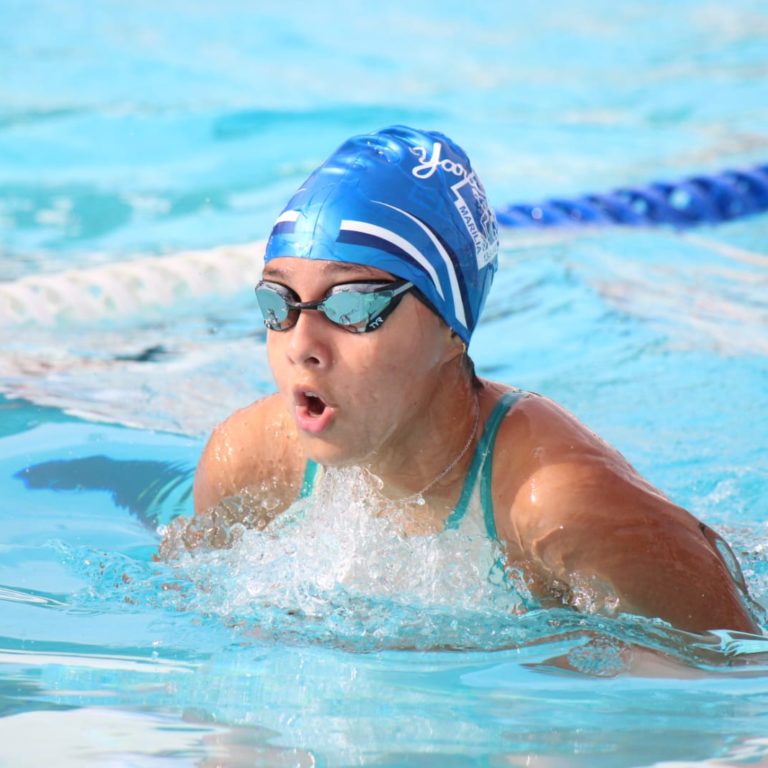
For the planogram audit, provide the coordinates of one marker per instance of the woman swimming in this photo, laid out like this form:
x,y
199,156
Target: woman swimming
x,y
375,276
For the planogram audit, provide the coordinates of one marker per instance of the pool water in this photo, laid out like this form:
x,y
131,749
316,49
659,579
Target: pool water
x,y
137,133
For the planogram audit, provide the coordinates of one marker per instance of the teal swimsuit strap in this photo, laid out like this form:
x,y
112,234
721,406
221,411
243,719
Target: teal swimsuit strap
x,y
484,449
310,470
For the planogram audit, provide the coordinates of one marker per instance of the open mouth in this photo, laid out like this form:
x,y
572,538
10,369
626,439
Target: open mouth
x,y
312,413
314,403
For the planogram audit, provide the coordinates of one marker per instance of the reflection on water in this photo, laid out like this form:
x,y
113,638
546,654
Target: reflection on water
x,y
289,705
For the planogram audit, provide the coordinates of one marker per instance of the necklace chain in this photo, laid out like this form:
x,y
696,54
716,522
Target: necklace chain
x,y
418,497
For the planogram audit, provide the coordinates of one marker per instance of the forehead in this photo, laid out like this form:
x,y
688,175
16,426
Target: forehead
x,y
292,268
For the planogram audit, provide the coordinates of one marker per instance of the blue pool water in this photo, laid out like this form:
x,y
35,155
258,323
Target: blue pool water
x,y
133,132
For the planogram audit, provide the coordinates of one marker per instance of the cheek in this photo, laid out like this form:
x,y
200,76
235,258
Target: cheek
x,y
392,371
414,351
277,362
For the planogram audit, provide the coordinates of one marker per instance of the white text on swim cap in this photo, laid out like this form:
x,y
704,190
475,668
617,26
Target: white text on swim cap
x,y
428,167
483,239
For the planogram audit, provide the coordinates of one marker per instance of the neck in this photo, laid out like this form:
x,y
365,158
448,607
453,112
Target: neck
x,y
427,456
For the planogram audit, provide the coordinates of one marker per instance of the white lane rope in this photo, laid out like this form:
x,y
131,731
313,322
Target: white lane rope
x,y
126,287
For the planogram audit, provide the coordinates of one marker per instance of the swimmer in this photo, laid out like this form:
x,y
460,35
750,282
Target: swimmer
x,y
375,276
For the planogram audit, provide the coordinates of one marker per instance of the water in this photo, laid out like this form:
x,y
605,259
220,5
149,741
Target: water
x,y
130,133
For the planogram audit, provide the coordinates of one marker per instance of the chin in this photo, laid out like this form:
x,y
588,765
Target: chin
x,y
329,453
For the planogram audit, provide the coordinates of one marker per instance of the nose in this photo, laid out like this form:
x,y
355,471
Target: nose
x,y
309,343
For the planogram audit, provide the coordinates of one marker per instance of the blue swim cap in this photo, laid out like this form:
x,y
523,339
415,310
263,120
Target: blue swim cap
x,y
404,201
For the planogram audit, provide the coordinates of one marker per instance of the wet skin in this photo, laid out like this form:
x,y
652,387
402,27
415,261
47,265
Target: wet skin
x,y
569,508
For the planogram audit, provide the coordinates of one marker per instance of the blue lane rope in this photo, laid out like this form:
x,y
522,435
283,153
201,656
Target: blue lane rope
x,y
690,202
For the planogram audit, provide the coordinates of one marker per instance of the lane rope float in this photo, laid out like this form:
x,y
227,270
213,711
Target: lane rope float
x,y
689,202
126,287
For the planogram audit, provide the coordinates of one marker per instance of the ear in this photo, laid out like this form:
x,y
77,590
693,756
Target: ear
x,y
456,345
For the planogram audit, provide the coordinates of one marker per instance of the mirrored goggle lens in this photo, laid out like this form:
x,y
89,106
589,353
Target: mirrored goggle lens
x,y
353,307
274,307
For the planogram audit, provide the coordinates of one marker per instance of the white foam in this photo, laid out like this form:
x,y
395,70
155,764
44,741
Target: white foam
x,y
346,570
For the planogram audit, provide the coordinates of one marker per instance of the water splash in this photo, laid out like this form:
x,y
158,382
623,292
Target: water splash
x,y
331,569
334,570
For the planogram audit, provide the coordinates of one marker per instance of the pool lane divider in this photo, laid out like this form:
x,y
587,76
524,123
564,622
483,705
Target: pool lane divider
x,y
126,287
151,283
689,202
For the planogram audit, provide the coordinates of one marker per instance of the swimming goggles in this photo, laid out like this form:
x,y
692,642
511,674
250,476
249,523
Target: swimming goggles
x,y
357,307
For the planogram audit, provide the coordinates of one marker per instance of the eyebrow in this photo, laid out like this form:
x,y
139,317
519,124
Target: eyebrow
x,y
332,267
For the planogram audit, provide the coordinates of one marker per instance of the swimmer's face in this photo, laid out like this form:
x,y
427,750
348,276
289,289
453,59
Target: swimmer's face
x,y
352,395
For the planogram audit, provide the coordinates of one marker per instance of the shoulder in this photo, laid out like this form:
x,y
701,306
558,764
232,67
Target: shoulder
x,y
575,510
255,446
537,432
536,421
549,466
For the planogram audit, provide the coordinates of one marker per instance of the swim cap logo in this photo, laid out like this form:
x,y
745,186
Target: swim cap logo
x,y
483,235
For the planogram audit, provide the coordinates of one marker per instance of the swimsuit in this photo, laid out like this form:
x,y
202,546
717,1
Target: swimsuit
x,y
477,489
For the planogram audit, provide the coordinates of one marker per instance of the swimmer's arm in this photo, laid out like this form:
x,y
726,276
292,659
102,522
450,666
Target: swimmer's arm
x,y
223,468
255,448
602,534
253,453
